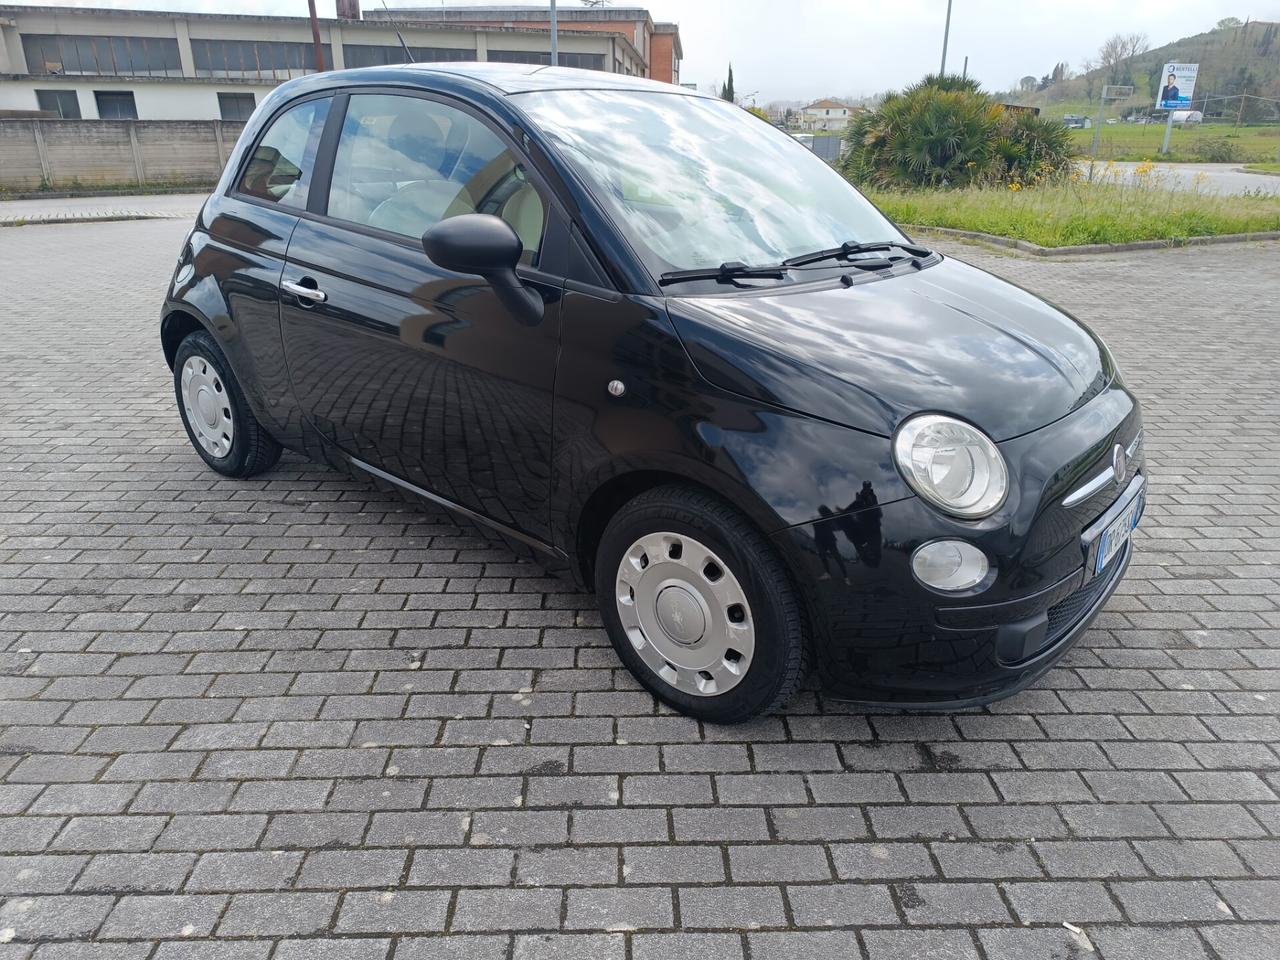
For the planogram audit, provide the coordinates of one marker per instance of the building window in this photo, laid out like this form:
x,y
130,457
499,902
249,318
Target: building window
x,y
235,106
64,55
583,61
64,103
255,59
116,105
373,55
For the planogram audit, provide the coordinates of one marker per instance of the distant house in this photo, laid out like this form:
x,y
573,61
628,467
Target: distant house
x,y
825,115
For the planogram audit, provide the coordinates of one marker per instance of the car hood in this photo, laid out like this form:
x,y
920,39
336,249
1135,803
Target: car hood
x,y
948,338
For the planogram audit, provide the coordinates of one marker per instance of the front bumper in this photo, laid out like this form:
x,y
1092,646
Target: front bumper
x,y
883,638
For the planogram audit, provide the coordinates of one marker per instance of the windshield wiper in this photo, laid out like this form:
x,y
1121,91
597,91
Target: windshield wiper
x,y
846,250
725,273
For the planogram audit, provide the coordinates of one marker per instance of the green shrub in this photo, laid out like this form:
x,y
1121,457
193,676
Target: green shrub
x,y
1032,148
944,131
1217,150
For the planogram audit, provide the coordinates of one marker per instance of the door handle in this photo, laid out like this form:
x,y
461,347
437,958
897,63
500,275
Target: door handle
x,y
304,293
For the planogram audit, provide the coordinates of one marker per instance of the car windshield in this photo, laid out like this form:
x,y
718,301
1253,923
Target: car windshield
x,y
695,182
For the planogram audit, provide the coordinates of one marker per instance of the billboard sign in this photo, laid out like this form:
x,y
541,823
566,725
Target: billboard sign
x,y
1177,84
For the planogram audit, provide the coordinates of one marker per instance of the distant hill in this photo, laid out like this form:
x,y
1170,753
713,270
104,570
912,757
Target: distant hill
x,y
1233,60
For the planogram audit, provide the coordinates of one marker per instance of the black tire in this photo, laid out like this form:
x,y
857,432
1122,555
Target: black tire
x,y
252,449
780,660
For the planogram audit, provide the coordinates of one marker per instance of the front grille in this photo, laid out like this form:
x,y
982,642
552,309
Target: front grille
x,y
1066,613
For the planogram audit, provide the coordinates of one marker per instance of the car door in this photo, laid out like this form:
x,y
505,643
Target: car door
x,y
242,250
408,368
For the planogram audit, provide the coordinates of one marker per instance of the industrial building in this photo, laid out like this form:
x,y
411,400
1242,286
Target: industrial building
x,y
84,63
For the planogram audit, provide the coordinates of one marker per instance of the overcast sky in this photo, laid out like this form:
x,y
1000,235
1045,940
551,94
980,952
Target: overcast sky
x,y
803,49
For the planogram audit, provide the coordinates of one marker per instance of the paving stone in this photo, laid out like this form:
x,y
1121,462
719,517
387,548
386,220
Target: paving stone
x,y
39,918
951,903
685,946
569,946
163,916
308,719
840,905
136,872
619,909
802,945
567,866
446,867
278,914
731,908
676,864
482,910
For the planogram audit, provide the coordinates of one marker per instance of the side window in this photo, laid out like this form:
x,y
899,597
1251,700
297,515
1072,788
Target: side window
x,y
404,163
280,168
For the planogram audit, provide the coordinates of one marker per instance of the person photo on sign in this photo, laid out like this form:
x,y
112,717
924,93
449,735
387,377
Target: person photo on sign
x,y
1170,91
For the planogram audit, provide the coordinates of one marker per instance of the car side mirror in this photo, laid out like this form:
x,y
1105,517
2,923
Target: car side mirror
x,y
485,245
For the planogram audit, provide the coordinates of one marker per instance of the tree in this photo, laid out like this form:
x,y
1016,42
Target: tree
x,y
1088,72
759,112
1027,84
948,81
726,91
1228,23
1116,53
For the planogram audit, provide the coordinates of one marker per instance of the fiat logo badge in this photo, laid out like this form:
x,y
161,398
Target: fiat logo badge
x,y
1118,464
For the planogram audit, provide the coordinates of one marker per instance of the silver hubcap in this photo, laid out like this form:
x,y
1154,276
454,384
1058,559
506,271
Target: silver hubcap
x,y
685,614
208,406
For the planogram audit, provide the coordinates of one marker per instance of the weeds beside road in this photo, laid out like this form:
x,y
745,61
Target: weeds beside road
x,y
1110,209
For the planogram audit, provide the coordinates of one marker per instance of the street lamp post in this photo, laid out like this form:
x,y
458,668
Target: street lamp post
x,y
946,34
555,39
315,36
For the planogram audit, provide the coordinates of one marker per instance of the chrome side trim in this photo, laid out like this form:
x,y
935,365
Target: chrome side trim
x,y
1132,451
456,507
1089,488
1082,493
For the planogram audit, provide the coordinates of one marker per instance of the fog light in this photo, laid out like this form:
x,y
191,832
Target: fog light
x,y
950,565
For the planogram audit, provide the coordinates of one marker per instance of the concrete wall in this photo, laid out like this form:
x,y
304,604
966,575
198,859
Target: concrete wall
x,y
88,152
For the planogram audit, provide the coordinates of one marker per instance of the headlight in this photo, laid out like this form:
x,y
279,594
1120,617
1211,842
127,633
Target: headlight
x,y
951,464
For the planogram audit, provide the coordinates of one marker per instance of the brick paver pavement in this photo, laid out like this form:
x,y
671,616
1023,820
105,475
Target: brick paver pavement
x,y
298,718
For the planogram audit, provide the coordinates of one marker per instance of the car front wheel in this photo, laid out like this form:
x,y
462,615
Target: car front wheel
x,y
219,423
699,606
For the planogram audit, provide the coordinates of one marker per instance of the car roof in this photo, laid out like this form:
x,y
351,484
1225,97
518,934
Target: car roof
x,y
526,77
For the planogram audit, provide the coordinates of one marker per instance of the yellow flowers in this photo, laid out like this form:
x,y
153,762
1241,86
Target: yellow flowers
x,y
1015,186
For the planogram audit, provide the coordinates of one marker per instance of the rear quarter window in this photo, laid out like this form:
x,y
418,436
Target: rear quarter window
x,y
279,170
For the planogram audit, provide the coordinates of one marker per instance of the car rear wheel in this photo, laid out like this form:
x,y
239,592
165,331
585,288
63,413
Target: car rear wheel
x,y
220,425
699,606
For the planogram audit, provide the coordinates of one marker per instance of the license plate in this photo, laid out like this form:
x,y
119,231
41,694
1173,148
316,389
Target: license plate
x,y
1117,535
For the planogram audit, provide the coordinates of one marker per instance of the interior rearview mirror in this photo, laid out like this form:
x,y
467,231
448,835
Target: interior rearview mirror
x,y
485,245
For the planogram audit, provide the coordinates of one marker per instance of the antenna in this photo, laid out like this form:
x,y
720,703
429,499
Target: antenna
x,y
408,57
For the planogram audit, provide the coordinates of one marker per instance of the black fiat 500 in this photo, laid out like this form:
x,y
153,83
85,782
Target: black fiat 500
x,y
655,339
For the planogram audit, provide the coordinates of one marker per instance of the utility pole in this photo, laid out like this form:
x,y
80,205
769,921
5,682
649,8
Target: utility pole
x,y
965,73
946,34
315,36
555,39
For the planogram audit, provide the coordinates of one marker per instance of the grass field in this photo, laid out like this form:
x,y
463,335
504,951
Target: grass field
x,y
1074,213
1133,141
1263,167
